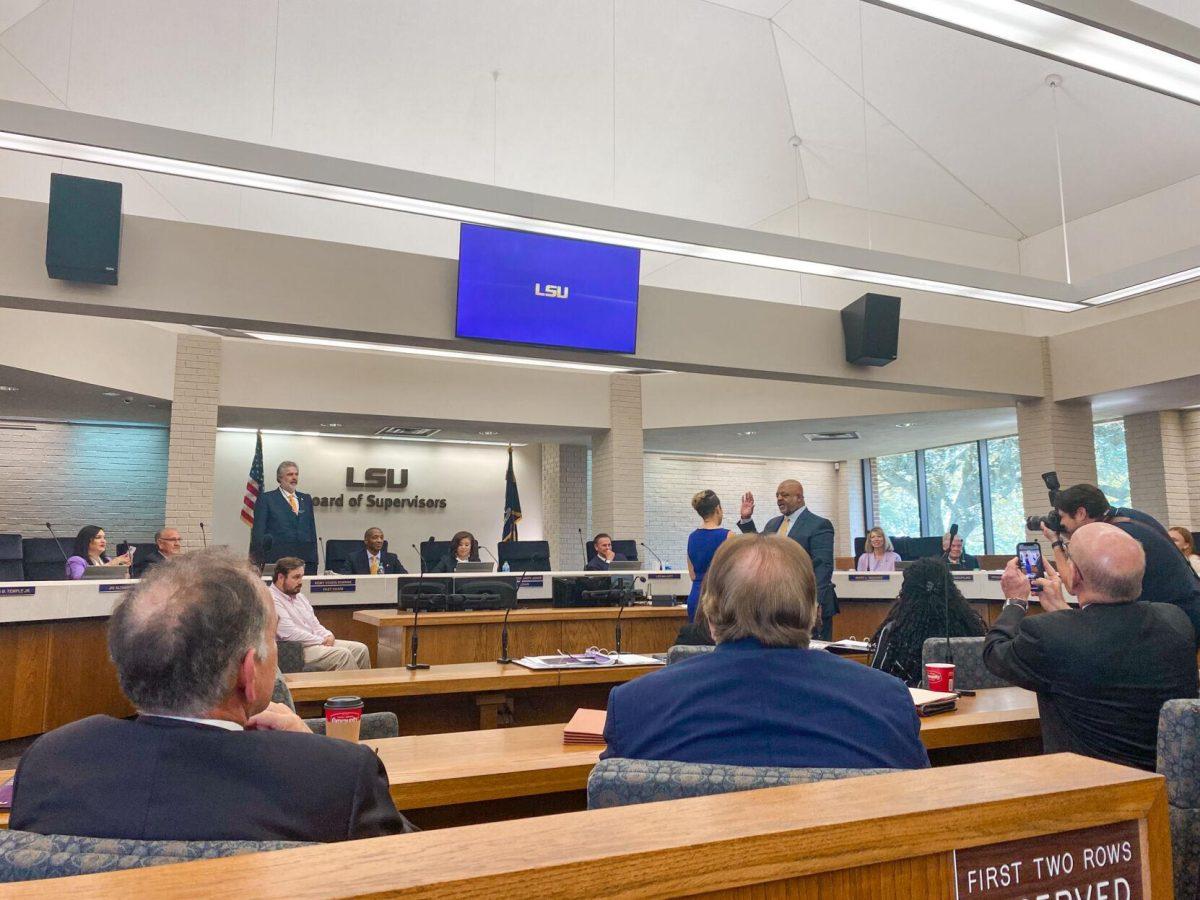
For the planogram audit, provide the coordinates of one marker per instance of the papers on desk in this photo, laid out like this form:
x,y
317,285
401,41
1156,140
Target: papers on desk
x,y
930,703
585,727
6,791
586,661
841,646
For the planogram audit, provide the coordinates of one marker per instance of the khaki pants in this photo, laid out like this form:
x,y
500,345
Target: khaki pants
x,y
342,655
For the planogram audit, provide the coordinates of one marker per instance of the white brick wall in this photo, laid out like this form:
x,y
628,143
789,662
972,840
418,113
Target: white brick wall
x,y
1158,479
672,480
192,454
76,475
564,502
1190,422
618,502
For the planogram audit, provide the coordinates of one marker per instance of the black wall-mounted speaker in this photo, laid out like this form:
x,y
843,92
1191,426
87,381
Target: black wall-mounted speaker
x,y
871,326
83,238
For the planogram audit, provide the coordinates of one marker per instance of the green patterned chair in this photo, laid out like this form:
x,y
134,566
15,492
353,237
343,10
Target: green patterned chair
x,y
687,651
25,856
1179,762
374,725
625,782
969,671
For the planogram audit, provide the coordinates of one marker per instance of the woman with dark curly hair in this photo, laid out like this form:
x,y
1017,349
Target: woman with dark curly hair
x,y
920,613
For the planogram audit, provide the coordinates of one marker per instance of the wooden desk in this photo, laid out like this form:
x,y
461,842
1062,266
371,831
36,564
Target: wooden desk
x,y
888,835
464,697
463,637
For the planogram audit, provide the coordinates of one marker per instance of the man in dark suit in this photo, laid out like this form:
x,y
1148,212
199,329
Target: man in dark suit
x,y
808,530
167,543
209,757
762,698
372,559
603,554
1103,671
284,524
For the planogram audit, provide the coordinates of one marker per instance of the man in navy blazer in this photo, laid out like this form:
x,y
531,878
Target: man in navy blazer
x,y
762,698
284,524
372,559
808,530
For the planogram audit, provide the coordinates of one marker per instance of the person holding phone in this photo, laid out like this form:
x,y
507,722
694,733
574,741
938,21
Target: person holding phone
x,y
88,551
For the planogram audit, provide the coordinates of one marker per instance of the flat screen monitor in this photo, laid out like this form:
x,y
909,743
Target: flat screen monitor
x,y
556,292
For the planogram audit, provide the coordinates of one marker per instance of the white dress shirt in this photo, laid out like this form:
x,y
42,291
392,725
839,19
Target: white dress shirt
x,y
297,621
215,723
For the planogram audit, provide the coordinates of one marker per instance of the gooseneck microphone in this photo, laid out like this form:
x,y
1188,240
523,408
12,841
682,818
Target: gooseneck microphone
x,y
652,553
621,604
504,659
583,547
946,590
204,535
57,543
417,601
489,553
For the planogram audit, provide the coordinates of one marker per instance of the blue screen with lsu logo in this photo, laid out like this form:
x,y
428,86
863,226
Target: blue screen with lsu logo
x,y
535,289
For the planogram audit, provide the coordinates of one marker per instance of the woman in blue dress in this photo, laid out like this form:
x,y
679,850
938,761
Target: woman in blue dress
x,y
703,543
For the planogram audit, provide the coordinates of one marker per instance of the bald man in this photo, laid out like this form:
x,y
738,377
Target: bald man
x,y
810,531
1102,671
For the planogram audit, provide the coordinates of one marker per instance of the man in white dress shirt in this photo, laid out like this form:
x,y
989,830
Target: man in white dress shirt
x,y
298,622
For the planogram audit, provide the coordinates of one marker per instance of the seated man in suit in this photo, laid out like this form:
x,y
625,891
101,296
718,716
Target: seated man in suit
x,y
1103,671
810,531
284,522
209,757
603,554
167,543
762,698
296,621
372,559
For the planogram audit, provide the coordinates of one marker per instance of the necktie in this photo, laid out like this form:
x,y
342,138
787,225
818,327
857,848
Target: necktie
x,y
374,565
291,499
783,526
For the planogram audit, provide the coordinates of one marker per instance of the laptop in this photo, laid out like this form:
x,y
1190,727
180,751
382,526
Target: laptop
x,y
905,563
466,568
625,565
106,573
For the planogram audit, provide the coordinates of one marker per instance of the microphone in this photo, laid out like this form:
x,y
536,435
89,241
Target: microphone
x,y
489,553
56,542
953,533
204,535
652,553
504,659
583,546
417,601
621,604
321,560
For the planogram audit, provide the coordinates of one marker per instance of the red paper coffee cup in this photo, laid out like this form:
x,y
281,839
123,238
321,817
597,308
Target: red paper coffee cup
x,y
940,676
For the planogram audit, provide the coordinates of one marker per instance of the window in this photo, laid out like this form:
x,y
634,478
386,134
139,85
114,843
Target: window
x,y
1008,508
1112,461
952,487
899,506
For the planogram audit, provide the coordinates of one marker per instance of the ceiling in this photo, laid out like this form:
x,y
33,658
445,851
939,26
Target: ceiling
x,y
40,396
914,138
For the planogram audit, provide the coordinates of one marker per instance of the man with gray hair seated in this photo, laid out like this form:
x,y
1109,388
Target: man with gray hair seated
x,y
762,697
167,543
208,757
1103,671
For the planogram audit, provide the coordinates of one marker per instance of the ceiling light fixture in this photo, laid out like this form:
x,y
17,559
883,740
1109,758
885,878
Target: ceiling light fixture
x,y
495,358
747,433
8,388
112,393
638,234
331,424
1046,32
1147,287
489,433
366,437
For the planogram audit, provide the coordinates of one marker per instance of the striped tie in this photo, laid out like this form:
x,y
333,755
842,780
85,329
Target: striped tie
x,y
374,565
291,499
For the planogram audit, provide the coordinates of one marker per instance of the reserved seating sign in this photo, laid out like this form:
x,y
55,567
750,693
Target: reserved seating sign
x,y
1102,863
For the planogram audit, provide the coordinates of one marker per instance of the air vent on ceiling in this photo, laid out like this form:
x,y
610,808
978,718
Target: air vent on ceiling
x,y
831,435
407,431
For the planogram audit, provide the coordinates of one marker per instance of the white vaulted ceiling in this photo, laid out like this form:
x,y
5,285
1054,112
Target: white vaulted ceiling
x,y
914,138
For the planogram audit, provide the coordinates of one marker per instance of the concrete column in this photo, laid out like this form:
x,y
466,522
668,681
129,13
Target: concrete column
x,y
848,512
1053,436
1190,419
1158,476
618,489
874,494
564,503
191,451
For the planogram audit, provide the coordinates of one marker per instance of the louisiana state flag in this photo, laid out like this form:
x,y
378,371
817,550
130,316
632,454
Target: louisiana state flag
x,y
512,503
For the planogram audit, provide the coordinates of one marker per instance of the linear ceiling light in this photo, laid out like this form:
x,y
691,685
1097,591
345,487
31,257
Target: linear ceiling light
x,y
301,187
339,344
369,437
1156,284
1047,33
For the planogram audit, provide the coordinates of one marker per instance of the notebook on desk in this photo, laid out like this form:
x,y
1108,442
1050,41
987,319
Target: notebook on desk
x,y
930,703
6,789
586,661
585,727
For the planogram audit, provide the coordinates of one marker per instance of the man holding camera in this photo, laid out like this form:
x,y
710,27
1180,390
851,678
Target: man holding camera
x,y
1168,576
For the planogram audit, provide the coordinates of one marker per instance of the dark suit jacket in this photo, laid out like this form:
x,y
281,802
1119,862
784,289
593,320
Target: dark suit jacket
x,y
1169,576
596,564
357,563
815,535
144,560
290,534
747,705
966,563
1101,673
154,778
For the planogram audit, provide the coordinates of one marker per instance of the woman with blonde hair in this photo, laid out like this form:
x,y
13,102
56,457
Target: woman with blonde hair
x,y
879,555
703,543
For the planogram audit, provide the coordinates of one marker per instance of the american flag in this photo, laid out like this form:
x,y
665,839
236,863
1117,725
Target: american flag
x,y
254,484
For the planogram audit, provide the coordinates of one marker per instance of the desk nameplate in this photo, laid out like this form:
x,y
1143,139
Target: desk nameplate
x,y
18,590
1101,863
333,586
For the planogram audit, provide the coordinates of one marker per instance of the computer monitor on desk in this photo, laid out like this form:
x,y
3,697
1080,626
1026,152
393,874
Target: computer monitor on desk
x,y
589,590
465,568
625,565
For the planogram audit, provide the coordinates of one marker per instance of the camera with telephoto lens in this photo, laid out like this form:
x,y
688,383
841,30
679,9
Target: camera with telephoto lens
x,y
1052,519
